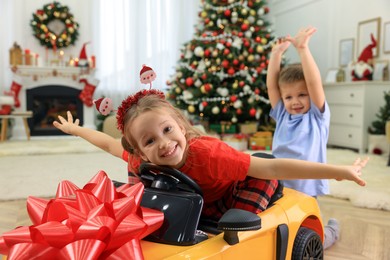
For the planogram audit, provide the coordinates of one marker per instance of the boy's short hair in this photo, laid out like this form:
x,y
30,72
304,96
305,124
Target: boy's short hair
x,y
291,73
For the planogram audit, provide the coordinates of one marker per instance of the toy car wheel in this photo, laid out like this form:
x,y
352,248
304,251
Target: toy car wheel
x,y
307,245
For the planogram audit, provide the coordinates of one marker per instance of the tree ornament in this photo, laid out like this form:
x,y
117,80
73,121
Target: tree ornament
x,y
252,112
54,26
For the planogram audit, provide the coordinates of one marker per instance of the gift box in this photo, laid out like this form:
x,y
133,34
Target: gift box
x,y
237,141
261,141
248,128
224,128
98,221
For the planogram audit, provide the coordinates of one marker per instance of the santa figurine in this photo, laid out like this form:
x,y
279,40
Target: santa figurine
x,y
83,59
147,75
364,68
104,106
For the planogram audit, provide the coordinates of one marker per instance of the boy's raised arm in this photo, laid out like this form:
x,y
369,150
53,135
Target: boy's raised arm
x,y
309,66
273,71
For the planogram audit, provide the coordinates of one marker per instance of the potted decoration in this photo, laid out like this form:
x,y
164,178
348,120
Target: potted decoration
x,y
377,131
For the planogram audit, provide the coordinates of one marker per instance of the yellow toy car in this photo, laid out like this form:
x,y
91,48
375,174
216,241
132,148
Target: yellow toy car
x,y
291,228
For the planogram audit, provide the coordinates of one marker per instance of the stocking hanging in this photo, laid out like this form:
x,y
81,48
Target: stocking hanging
x,y
86,95
14,91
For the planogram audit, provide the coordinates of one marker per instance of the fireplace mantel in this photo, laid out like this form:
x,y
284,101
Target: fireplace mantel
x,y
32,76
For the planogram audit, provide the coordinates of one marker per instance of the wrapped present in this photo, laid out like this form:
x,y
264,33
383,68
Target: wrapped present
x,y
98,221
224,128
248,128
237,141
261,141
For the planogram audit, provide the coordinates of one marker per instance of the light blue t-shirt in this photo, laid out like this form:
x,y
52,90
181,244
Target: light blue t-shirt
x,y
302,137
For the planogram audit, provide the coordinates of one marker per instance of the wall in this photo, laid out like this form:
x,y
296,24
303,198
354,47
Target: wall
x,y
334,19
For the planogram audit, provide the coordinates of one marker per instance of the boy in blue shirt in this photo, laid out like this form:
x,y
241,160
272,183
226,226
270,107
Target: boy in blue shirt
x,y
302,115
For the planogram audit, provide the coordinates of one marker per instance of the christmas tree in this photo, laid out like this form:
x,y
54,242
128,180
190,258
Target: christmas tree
x,y
378,126
221,74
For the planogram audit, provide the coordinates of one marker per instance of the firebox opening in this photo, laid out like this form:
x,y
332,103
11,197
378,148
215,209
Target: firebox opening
x,y
47,103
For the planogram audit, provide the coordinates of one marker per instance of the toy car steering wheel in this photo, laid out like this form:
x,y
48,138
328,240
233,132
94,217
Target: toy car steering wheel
x,y
154,171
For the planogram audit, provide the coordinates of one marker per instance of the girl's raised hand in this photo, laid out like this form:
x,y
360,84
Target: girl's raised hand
x,y
66,125
355,171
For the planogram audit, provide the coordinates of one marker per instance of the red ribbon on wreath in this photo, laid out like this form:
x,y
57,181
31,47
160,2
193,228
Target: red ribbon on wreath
x,y
98,221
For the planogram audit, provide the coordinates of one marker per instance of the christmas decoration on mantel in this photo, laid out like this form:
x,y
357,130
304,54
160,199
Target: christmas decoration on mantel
x,y
54,26
221,73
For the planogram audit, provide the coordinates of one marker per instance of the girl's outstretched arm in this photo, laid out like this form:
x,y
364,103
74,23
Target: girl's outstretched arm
x,y
288,169
97,138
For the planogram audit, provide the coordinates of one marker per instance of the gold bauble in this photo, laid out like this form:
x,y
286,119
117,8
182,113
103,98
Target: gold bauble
x,y
178,90
191,109
259,49
251,58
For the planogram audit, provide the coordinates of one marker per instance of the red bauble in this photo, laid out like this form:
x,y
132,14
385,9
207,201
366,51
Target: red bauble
x,y
189,81
207,87
233,98
204,103
226,51
228,44
207,53
225,64
257,91
235,62
241,83
252,112
231,71
224,110
204,76
227,13
239,111
244,27
258,39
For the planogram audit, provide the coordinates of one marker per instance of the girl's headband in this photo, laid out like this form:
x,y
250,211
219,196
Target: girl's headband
x,y
131,101
147,75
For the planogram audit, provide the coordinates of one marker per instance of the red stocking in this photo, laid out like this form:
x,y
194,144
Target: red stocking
x,y
89,88
6,104
14,92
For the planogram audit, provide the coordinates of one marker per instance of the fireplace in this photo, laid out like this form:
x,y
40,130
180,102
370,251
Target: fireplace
x,y
47,103
49,92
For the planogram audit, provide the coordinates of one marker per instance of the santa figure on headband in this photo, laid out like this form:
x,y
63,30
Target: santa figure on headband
x,y
364,68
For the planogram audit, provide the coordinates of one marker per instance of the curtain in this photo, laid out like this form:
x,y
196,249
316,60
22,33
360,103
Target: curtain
x,y
128,34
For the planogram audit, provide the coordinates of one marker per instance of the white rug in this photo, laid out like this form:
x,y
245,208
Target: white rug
x,y
36,167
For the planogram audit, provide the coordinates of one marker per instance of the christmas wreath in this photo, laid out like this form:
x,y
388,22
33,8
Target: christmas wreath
x,y
54,26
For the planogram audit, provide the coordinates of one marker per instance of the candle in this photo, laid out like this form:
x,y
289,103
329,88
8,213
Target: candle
x,y
27,57
93,59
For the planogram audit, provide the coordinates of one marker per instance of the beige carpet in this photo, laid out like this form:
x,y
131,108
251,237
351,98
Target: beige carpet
x,y
36,167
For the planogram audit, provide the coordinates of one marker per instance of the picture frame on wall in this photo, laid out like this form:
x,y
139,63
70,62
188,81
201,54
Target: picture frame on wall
x,y
346,51
365,29
386,37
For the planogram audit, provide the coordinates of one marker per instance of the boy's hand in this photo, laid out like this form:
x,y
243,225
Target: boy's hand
x,y
301,40
281,45
66,126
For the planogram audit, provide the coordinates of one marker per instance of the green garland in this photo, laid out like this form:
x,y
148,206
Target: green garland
x,y
49,13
